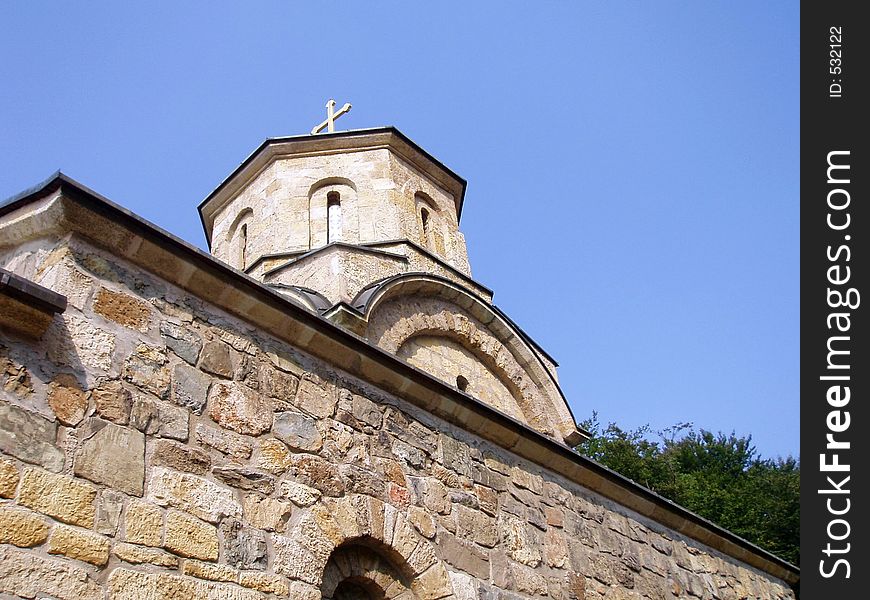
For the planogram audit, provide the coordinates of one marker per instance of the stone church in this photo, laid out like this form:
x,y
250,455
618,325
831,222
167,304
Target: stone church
x,y
326,406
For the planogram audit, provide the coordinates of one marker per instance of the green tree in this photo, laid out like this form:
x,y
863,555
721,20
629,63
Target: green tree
x,y
720,477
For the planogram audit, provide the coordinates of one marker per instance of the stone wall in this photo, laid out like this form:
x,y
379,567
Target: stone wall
x,y
154,447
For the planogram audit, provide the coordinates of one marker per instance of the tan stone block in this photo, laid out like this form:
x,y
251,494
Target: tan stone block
x,y
79,544
298,493
136,555
8,479
422,522
114,456
196,495
433,584
58,496
266,513
24,574
295,561
316,396
143,524
274,456
113,402
303,591
180,457
188,536
67,400
224,442
21,527
235,406
122,308
265,582
126,584
210,571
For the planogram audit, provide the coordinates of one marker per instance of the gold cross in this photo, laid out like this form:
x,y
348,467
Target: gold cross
x,y
331,116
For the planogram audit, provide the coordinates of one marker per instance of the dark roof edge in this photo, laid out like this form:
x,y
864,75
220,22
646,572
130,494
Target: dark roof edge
x,y
30,293
310,253
106,207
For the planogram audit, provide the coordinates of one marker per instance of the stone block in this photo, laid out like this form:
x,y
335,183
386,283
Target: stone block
x,y
266,513
29,437
225,442
189,537
316,396
244,548
78,341
155,417
200,497
126,584
109,507
299,432
278,385
58,496
67,399
8,479
266,583
463,555
422,522
216,359
114,456
143,524
79,544
185,343
123,309
113,402
167,453
190,388
245,478
298,493
210,571
366,411
455,455
146,368
239,408
518,541
30,576
274,456
21,527
136,555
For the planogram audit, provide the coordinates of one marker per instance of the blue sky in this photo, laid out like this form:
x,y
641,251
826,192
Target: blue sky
x,y
632,166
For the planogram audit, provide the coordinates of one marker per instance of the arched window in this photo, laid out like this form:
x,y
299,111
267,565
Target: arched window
x,y
243,245
333,217
424,220
237,252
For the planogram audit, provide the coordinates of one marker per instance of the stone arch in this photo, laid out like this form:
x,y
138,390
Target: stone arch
x,y
378,535
238,239
429,222
367,571
479,327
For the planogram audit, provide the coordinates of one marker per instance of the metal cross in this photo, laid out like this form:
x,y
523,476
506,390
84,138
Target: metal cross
x,y
331,116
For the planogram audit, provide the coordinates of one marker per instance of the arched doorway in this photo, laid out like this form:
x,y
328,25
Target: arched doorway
x,y
364,572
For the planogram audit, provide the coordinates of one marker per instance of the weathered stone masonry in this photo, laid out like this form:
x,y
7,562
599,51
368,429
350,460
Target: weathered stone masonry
x,y
156,444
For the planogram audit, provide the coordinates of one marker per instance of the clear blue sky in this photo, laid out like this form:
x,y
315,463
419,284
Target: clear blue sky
x,y
632,166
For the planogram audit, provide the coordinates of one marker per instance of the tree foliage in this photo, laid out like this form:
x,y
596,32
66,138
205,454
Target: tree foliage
x,y
720,477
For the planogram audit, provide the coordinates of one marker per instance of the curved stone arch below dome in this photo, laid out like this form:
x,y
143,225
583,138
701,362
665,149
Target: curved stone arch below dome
x,y
400,307
399,319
